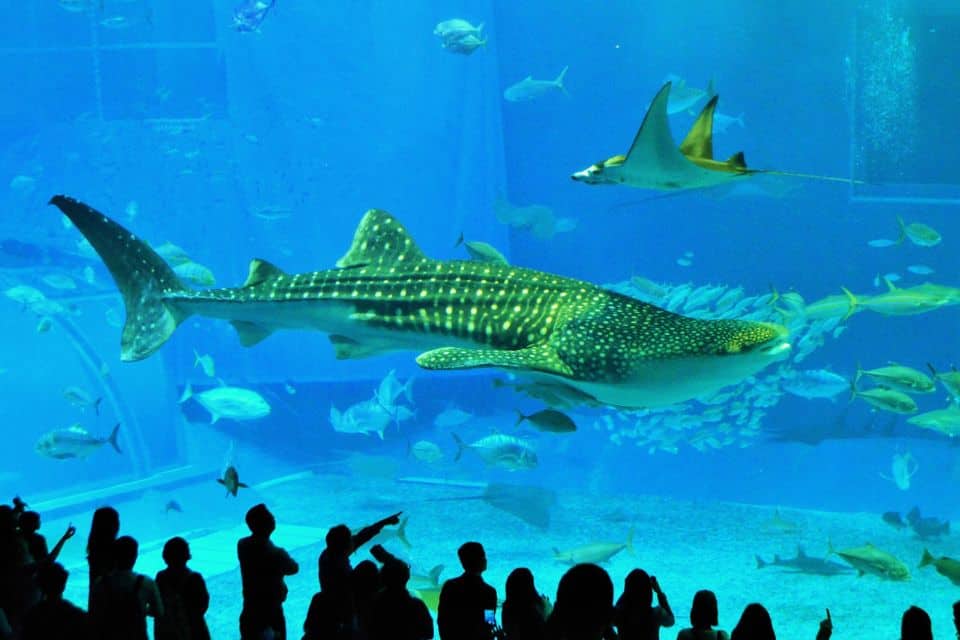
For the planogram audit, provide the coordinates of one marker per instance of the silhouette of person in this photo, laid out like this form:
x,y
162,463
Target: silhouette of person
x,y
635,616
366,585
704,615
123,599
525,610
583,609
100,546
956,618
916,625
54,618
826,628
16,585
335,571
396,615
754,624
464,599
263,566
36,543
184,595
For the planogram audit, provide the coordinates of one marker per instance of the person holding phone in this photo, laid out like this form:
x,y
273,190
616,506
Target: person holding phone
x,y
635,617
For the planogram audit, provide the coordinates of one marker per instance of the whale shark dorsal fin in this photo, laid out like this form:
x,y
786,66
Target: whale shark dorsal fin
x,y
699,140
539,357
380,239
261,271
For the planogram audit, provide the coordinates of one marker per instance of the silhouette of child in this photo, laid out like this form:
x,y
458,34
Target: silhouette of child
x,y
704,615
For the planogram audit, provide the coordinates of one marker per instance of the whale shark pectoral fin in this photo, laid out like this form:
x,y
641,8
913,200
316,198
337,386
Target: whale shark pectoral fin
x,y
345,348
381,239
699,140
539,357
251,333
262,271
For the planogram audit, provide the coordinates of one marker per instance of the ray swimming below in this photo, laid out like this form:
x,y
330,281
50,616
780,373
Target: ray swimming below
x,y
387,295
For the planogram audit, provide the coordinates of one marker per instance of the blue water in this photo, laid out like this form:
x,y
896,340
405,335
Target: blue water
x,y
330,109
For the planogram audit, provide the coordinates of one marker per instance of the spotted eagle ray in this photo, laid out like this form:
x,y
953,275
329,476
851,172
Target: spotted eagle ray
x,y
654,160
386,295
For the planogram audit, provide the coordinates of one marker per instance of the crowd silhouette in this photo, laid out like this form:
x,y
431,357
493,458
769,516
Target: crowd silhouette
x,y
370,601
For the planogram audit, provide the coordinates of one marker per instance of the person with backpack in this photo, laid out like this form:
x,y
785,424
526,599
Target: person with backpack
x,y
184,594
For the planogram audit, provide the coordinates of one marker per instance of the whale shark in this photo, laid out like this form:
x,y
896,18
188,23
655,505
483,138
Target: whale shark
x,y
655,161
386,295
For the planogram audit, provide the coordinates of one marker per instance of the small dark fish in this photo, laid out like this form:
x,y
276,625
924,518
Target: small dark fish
x,y
894,519
173,505
927,527
248,15
549,420
231,480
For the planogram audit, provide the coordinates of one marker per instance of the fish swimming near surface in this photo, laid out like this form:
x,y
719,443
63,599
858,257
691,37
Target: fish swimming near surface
x,y
596,552
74,442
387,296
231,480
232,403
870,559
250,14
172,505
530,89
654,161
945,566
803,563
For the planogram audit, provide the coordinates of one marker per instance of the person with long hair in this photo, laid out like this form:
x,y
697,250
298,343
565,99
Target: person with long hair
x,y
525,610
635,616
101,550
